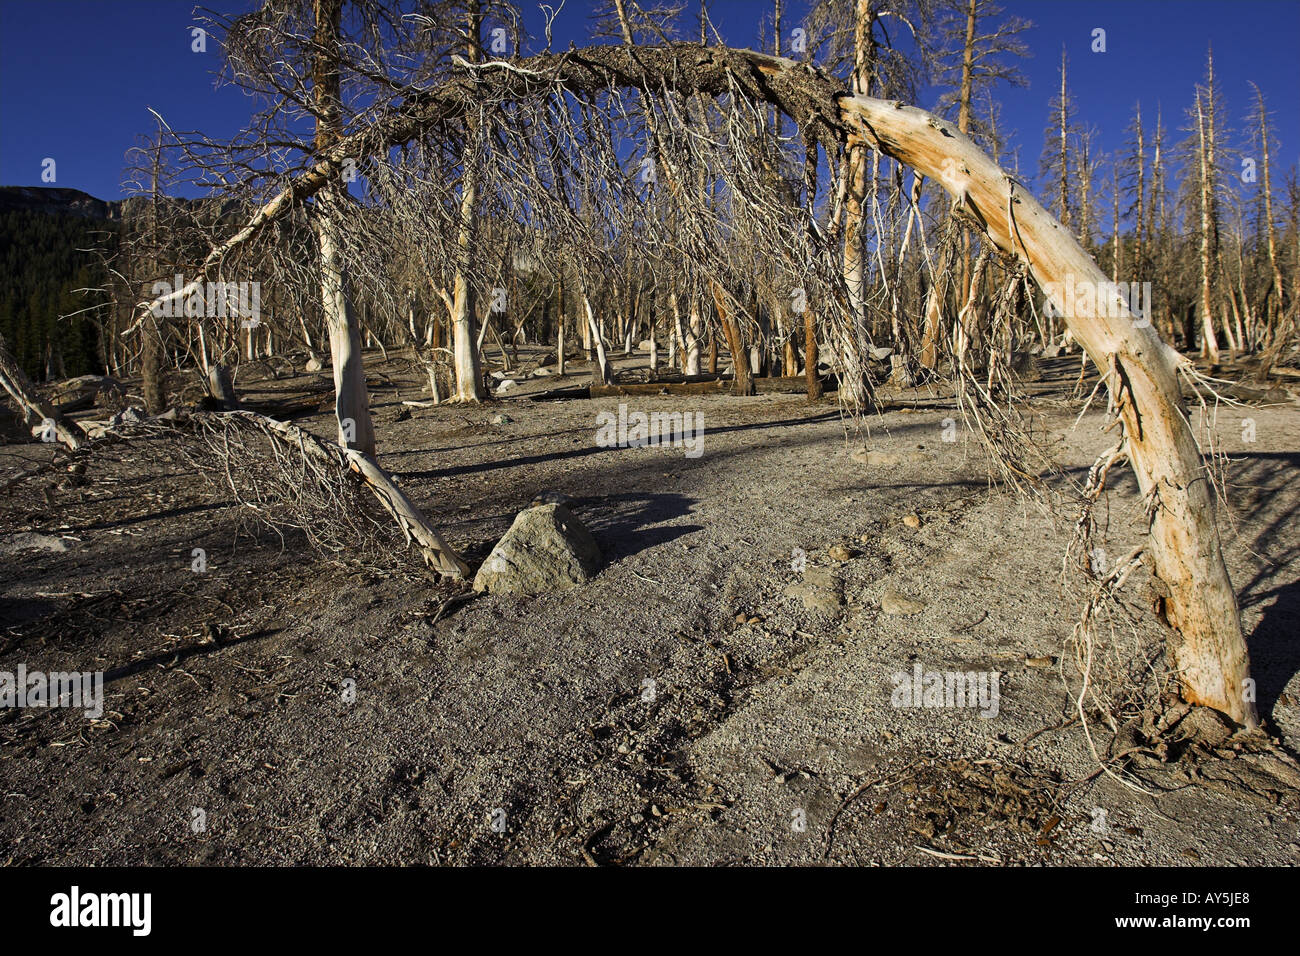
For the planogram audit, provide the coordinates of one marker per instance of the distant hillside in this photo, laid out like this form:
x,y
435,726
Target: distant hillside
x,y
55,202
43,233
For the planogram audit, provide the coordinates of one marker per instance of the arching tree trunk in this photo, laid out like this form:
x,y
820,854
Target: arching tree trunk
x,y
1141,371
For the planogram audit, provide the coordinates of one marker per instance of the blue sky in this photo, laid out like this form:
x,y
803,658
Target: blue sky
x,y
77,76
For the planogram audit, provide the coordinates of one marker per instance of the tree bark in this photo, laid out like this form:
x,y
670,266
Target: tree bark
x,y
744,383
351,400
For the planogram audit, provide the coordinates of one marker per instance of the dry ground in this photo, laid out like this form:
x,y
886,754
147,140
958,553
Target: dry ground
x,y
681,709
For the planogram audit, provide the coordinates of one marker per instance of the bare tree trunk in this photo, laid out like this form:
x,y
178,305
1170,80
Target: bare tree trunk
x,y
744,384
811,375
220,388
151,370
1271,232
1210,344
693,329
469,373
351,400
601,375
562,320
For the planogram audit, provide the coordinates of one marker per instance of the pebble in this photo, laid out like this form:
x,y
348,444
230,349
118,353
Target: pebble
x,y
891,602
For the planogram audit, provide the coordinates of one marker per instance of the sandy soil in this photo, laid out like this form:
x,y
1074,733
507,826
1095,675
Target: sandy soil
x,y
681,709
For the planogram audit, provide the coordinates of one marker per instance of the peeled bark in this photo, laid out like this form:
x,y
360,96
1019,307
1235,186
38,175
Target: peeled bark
x,y
810,356
601,375
1210,343
351,399
744,383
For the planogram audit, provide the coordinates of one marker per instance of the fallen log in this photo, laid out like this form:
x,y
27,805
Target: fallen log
x,y
53,425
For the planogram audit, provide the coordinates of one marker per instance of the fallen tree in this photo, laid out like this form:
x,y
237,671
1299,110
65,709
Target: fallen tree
x,y
435,551
19,388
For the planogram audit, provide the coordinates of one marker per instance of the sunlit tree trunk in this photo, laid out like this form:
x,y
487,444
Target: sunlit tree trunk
x,y
351,400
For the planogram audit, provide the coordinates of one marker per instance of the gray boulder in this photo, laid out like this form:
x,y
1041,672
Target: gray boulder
x,y
546,549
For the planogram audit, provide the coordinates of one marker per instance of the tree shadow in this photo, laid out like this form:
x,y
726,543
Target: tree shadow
x,y
631,523
585,451
1259,484
1274,650
171,658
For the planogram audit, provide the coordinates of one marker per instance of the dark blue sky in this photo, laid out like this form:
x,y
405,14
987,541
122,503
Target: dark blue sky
x,y
76,76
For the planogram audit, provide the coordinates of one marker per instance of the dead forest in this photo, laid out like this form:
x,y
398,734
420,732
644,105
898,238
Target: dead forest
x,y
656,215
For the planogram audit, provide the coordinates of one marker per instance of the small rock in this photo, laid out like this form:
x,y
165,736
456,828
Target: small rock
x,y
892,602
1040,662
912,520
840,553
501,419
546,549
819,599
821,577
314,364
